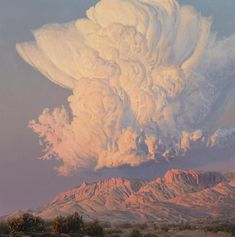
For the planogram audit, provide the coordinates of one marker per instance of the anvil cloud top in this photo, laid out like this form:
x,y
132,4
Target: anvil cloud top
x,y
148,77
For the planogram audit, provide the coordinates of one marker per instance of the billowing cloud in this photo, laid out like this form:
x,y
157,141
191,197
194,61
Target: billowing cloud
x,y
148,80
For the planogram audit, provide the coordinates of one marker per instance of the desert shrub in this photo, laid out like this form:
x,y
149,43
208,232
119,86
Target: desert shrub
x,y
210,229
58,225
48,226
27,223
135,233
107,225
70,224
141,226
165,228
4,229
38,235
226,227
125,225
156,227
114,231
184,226
150,235
74,223
94,229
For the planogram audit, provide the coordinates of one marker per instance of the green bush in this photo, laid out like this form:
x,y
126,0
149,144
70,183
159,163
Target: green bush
x,y
165,228
69,224
58,225
135,233
226,227
94,229
185,226
141,226
74,223
114,231
125,225
150,235
4,229
27,223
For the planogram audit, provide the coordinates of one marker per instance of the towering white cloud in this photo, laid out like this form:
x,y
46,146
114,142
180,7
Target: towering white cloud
x,y
148,80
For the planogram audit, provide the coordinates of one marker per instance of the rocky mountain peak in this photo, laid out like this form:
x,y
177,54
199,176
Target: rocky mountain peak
x,y
184,194
193,177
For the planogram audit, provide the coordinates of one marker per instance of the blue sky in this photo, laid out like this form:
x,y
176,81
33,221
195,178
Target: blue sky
x,y
25,181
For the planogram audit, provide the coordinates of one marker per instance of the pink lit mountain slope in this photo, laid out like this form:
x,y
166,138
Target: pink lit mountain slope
x,y
179,195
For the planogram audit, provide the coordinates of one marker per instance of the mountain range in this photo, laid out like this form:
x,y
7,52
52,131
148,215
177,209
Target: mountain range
x,y
179,195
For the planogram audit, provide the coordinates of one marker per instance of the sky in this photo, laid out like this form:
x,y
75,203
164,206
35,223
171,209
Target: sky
x,y
25,181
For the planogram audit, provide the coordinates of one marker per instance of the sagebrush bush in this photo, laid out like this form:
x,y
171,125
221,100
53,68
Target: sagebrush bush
x,y
4,229
224,227
150,235
26,223
94,229
135,233
70,224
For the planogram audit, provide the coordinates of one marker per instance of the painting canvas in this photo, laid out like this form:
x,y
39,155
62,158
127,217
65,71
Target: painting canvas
x,y
117,118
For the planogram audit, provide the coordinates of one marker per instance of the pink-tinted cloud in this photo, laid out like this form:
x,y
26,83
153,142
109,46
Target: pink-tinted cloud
x,y
146,78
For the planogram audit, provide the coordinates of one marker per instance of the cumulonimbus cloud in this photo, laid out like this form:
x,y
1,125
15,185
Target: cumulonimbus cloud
x,y
148,79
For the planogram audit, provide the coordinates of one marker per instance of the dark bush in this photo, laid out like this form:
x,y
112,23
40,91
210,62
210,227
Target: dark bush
x,y
27,223
135,233
114,231
140,226
124,225
4,229
74,223
94,229
58,225
226,227
150,235
69,224
165,228
184,226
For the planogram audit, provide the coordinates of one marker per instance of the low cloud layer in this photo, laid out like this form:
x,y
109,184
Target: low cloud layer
x,y
148,79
